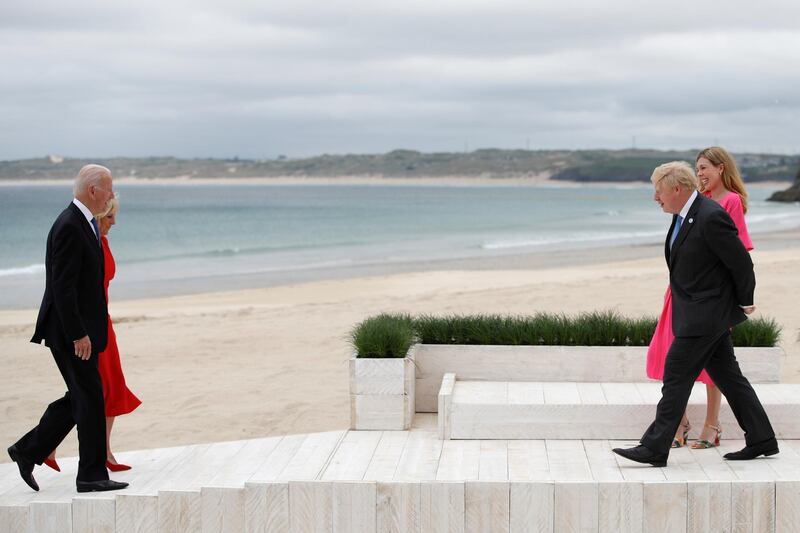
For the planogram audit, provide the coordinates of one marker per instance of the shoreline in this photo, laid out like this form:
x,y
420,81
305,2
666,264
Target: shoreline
x,y
532,260
540,259
540,180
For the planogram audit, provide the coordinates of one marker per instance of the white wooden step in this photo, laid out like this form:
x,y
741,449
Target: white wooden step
x,y
568,410
623,364
397,481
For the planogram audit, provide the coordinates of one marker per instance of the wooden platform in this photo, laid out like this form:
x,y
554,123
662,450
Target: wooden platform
x,y
618,364
568,410
352,481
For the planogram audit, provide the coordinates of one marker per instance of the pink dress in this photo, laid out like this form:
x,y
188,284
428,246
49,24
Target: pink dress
x,y
662,338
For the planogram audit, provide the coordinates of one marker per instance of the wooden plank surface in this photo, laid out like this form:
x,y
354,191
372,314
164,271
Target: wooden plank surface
x,y
460,460
267,507
136,513
528,461
276,461
398,507
180,511
568,461
442,507
50,517
620,507
486,507
708,506
576,506
14,519
312,456
787,506
554,363
383,465
531,507
665,507
353,456
94,515
493,460
753,506
420,458
310,506
601,460
610,410
249,458
354,506
754,501
222,509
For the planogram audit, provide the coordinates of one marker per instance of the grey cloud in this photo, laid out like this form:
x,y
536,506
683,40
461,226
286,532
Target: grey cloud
x,y
257,79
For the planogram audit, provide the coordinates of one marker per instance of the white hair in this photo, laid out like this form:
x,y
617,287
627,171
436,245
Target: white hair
x,y
89,175
675,174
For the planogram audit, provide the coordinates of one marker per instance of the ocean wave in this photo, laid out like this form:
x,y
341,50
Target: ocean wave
x,y
759,219
239,252
22,271
224,252
575,238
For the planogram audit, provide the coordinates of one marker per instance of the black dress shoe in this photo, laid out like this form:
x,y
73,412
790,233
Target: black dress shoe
x,y
642,454
100,486
25,467
766,448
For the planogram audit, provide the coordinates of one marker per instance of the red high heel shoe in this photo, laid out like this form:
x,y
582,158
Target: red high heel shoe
x,y
117,467
52,464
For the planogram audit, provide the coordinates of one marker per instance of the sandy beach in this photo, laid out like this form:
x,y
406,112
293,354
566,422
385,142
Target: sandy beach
x,y
273,360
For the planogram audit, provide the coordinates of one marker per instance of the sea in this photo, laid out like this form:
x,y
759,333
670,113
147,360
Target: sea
x,y
186,238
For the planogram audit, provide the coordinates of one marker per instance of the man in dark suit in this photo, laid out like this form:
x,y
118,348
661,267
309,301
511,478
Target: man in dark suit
x,y
73,322
712,282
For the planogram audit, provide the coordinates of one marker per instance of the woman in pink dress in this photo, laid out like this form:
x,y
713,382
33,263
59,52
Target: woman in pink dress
x,y
119,400
721,181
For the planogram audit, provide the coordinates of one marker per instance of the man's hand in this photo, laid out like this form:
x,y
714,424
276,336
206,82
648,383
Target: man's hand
x,y
83,348
749,310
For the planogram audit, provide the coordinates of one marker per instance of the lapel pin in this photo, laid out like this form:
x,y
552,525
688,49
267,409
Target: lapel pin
x,y
691,220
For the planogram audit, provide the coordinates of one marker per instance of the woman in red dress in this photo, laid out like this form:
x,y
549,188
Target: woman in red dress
x,y
119,400
721,181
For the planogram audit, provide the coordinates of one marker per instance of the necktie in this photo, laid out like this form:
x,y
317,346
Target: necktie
x,y
675,230
96,229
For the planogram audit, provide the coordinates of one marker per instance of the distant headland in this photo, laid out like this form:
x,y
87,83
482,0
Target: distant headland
x,y
629,165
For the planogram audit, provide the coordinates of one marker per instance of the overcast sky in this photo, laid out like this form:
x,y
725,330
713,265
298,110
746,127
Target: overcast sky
x,y
256,79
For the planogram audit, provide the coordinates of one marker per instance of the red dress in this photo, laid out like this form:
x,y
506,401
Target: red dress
x,y
662,338
118,398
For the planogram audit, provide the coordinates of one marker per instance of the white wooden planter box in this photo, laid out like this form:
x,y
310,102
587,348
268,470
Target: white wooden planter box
x,y
555,363
382,393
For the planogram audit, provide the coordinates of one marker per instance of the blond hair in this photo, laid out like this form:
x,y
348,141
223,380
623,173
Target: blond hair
x,y
112,208
675,173
731,177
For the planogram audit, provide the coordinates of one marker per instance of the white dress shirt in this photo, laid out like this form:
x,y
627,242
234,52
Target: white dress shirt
x,y
88,214
687,205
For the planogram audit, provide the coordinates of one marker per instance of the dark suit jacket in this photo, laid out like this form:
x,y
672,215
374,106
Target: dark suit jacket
x,y
710,272
74,303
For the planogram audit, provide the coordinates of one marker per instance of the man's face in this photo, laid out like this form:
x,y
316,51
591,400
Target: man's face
x,y
100,194
671,199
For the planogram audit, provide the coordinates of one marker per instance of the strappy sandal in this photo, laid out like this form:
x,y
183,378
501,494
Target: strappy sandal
x,y
680,442
703,444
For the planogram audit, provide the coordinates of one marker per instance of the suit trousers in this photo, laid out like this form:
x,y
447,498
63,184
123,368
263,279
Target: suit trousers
x,y
82,405
686,358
